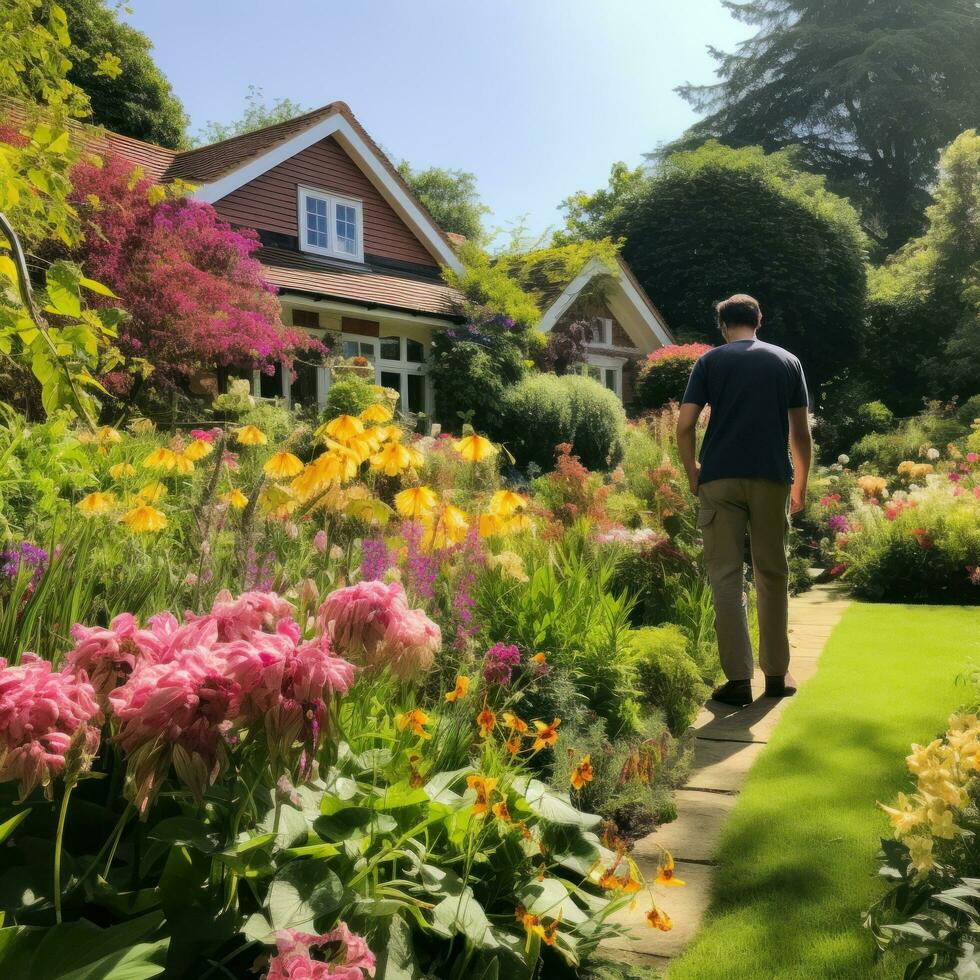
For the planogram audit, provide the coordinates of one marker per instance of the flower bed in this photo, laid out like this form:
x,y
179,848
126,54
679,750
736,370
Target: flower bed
x,y
334,700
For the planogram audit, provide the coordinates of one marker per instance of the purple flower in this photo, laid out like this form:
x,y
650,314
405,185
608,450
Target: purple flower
x,y
499,663
376,559
838,524
27,556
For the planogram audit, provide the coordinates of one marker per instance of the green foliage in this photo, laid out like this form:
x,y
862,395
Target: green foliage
x,y
349,397
451,198
257,115
543,411
667,677
715,221
661,382
111,62
868,92
486,284
924,322
883,450
588,216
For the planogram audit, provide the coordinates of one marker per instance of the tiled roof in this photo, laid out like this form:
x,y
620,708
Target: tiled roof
x,y
368,285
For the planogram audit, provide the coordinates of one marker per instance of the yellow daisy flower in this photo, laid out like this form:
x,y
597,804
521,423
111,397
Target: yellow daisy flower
x,y
416,502
474,448
251,435
122,470
96,503
197,449
282,466
376,413
234,498
144,519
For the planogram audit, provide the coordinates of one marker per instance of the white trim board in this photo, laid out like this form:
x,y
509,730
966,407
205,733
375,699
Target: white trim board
x,y
627,292
363,155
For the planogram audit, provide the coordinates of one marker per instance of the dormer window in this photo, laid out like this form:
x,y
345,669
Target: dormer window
x,y
330,225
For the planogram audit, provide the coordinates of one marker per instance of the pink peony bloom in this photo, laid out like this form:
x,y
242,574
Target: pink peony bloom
x,y
106,656
178,712
49,724
345,956
237,617
371,623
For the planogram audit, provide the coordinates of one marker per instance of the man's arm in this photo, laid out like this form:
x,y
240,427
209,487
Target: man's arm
x,y
687,419
801,449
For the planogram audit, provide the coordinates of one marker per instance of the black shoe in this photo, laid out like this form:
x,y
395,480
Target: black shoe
x,y
779,686
736,693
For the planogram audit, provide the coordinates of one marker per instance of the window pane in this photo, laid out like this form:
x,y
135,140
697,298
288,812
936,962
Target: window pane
x,y
416,393
270,385
414,352
303,391
346,229
392,379
611,379
351,348
391,348
316,223
367,350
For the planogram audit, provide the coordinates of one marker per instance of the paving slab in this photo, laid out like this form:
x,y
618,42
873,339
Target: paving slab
x,y
727,743
694,834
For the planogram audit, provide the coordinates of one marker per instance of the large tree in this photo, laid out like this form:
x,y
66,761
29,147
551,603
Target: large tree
x,y
869,90
111,62
924,323
451,197
715,221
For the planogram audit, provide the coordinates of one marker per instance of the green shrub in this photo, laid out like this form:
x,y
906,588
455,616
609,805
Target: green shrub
x,y
543,411
663,376
883,451
876,416
969,410
349,396
667,676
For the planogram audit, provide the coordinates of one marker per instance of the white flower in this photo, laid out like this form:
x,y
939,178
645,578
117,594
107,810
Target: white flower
x,y
914,487
843,459
932,453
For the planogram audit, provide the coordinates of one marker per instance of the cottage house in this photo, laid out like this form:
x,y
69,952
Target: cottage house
x,y
357,258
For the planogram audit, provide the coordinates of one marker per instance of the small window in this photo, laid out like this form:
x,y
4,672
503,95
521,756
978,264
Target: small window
x,y
391,379
391,348
414,352
306,318
359,348
416,392
611,379
330,225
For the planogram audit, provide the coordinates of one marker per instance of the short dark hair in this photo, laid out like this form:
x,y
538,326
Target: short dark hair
x,y
740,310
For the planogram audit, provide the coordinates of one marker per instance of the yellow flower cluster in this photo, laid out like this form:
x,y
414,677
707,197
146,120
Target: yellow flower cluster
x,y
914,472
872,486
944,770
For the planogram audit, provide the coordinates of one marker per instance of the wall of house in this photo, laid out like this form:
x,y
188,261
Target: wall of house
x,y
269,202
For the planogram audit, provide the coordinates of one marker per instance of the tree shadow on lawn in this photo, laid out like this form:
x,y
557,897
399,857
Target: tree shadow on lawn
x,y
796,862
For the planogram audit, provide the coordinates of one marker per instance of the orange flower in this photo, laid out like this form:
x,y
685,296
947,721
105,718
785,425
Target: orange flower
x,y
513,744
534,927
483,786
487,721
514,723
459,691
665,876
659,919
501,812
547,735
627,882
539,658
416,719
582,773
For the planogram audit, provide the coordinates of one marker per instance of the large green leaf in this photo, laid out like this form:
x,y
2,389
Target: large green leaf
x,y
135,963
187,832
463,914
551,806
9,826
354,821
301,891
395,954
63,291
550,897
439,787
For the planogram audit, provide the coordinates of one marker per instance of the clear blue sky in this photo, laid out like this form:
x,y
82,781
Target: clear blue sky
x,y
536,97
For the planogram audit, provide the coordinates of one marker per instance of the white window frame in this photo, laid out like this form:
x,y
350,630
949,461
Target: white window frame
x,y
606,339
332,200
604,364
403,368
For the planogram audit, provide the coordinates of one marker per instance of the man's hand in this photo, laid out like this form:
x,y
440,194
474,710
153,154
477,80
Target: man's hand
x,y
797,498
694,477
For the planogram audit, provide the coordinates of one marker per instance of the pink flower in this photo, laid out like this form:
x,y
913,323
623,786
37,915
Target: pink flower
x,y
371,623
346,956
972,457
106,656
176,712
320,541
237,617
49,724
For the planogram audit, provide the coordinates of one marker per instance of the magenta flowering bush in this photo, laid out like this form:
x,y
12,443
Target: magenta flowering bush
x,y
499,663
373,624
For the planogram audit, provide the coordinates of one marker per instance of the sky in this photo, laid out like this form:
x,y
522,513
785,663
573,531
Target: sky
x,y
538,98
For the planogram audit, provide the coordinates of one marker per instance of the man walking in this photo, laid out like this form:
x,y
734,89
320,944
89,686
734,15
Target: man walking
x,y
759,417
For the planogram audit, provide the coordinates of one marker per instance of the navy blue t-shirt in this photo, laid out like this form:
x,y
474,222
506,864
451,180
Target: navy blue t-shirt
x,y
750,386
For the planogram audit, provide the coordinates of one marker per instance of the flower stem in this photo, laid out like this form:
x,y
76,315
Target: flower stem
x,y
57,851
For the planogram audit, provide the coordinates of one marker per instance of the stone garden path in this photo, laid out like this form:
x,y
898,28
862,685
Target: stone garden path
x,y
727,743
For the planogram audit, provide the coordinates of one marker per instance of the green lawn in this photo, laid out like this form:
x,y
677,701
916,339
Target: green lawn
x,y
796,862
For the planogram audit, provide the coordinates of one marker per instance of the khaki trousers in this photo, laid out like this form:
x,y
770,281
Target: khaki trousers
x,y
727,508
